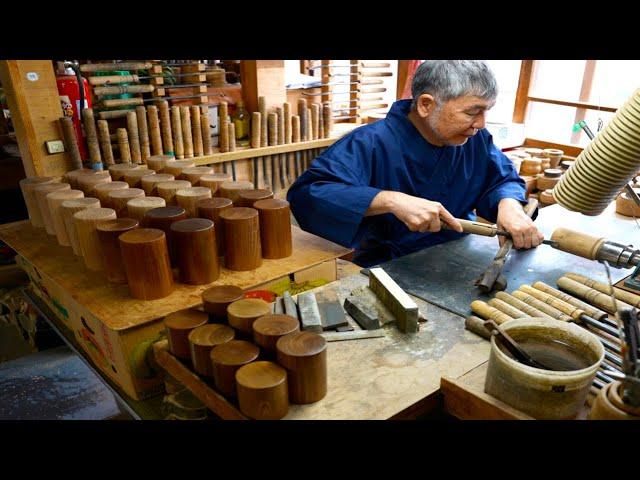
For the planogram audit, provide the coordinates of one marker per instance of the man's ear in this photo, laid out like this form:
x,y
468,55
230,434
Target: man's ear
x,y
425,105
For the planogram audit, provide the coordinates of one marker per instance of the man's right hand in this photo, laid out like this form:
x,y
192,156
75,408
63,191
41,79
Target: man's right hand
x,y
418,214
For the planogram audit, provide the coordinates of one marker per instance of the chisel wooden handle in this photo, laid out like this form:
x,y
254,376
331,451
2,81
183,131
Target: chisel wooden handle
x,y
119,102
198,149
206,134
264,136
588,309
327,119
315,119
256,121
92,136
280,125
303,113
154,130
110,67
113,79
165,125
71,142
134,139
623,295
273,129
542,306
286,110
143,132
105,142
176,129
122,89
476,228
320,121
187,139
476,325
123,145
594,297
577,243
231,133
506,308
521,306
574,312
224,135
488,312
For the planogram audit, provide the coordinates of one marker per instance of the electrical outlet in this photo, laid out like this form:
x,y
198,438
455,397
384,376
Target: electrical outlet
x,y
54,146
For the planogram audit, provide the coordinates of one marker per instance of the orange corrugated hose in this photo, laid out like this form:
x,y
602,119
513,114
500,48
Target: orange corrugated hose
x,y
413,66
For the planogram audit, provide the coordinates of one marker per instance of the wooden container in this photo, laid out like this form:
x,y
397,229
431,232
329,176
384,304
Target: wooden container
x,y
86,222
102,190
27,186
146,263
546,198
267,330
202,340
118,170
304,355
624,205
118,199
275,228
41,193
108,233
241,238
188,198
262,390
162,218
531,166
55,200
167,190
210,208
69,208
215,301
231,190
178,326
137,207
194,240
549,179
134,177
565,164
175,167
149,182
158,162
242,313
248,197
554,155
213,181
193,174
72,177
87,182
226,359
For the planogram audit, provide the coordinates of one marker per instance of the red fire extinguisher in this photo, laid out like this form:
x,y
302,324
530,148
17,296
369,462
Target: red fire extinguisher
x,y
70,98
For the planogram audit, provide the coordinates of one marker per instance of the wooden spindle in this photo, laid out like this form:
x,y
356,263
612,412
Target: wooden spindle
x,y
105,142
123,145
154,131
187,136
176,128
196,130
143,132
166,128
134,137
92,136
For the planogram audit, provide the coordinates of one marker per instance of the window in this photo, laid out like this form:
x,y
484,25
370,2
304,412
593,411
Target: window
x,y
507,73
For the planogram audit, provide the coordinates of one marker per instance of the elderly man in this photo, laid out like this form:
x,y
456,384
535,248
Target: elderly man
x,y
385,189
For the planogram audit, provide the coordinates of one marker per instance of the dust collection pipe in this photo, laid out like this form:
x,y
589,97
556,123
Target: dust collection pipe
x,y
606,165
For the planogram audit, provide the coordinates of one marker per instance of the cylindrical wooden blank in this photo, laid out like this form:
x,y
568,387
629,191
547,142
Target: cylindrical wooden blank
x,y
178,326
154,132
41,193
69,208
148,183
196,131
193,174
134,137
123,145
188,198
158,162
108,233
215,301
55,200
143,132
241,238
210,208
72,176
232,190
202,340
71,141
262,108
118,199
214,180
28,185
255,129
206,134
187,136
105,142
262,390
146,263
86,222
176,129
304,355
275,228
226,359
137,207
224,135
165,127
242,313
88,182
162,218
102,190
175,167
248,197
167,190
134,177
194,240
118,170
269,329
232,137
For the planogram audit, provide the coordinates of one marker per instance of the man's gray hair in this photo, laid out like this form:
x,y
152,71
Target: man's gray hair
x,y
449,79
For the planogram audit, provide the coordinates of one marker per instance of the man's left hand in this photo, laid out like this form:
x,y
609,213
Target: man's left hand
x,y
511,217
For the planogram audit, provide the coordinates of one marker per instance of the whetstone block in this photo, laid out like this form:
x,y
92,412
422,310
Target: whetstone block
x,y
396,299
290,307
332,315
278,306
309,313
362,312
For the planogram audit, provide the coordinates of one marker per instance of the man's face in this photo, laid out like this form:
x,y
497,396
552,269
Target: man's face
x,y
457,120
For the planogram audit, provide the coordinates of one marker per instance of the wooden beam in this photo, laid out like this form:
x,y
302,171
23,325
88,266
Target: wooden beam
x,y
263,78
569,150
564,103
403,72
34,102
585,94
522,94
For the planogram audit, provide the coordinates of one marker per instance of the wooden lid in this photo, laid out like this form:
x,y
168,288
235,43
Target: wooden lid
x,y
256,194
276,325
192,225
127,193
141,235
165,212
182,319
222,294
241,185
214,203
197,170
234,352
260,375
301,344
118,225
216,177
65,194
81,202
211,335
249,308
270,204
151,202
173,185
52,187
552,151
143,172
95,214
238,214
553,173
121,167
193,191
109,186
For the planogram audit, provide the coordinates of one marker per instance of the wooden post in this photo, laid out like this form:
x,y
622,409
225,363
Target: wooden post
x,y
263,78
